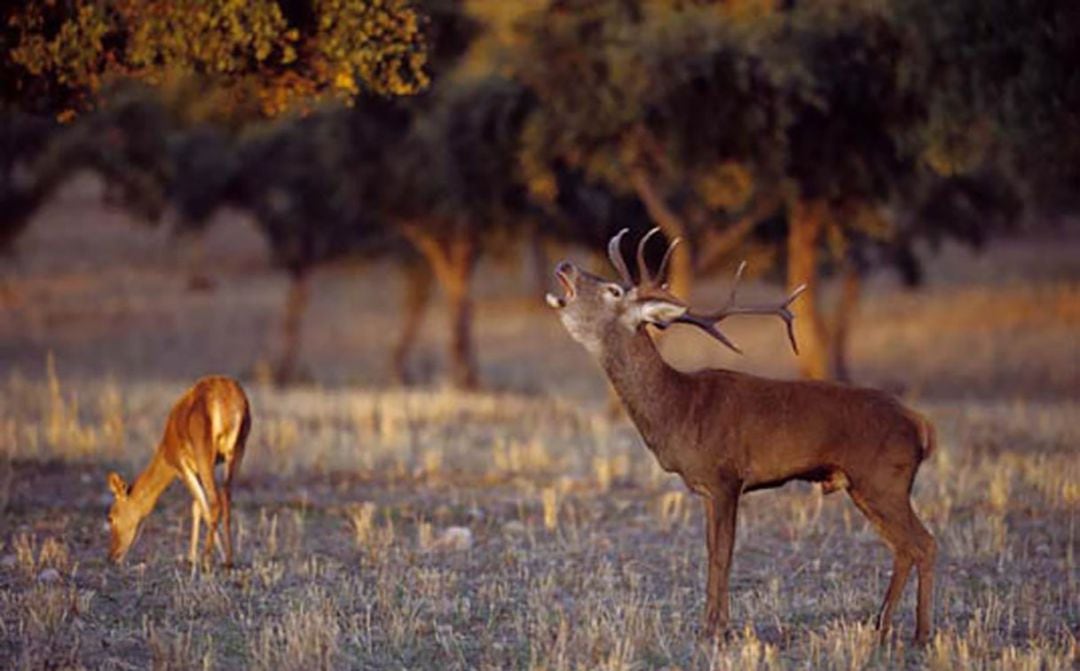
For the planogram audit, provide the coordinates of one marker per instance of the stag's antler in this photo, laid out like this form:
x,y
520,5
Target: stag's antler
x,y
647,279
653,284
615,254
708,321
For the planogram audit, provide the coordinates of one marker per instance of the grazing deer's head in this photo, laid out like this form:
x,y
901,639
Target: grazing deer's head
x,y
594,309
125,519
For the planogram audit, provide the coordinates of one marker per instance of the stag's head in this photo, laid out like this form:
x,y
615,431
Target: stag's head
x,y
594,309
591,307
125,519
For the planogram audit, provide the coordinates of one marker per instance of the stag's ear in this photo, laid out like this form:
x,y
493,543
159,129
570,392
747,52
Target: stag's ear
x,y
118,486
660,311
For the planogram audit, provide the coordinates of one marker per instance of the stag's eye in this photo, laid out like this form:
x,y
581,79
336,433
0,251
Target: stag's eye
x,y
615,291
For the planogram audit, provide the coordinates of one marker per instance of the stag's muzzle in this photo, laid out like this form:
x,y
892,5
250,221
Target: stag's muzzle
x,y
565,273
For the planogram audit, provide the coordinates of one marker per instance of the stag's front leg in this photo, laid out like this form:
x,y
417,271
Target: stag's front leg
x,y
721,510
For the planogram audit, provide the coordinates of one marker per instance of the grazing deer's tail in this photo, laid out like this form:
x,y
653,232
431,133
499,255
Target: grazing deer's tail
x,y
927,434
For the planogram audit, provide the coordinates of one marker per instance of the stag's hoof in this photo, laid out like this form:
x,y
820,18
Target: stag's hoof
x,y
713,629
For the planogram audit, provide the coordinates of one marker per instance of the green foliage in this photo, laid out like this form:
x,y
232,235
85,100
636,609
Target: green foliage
x,y
206,173
729,107
583,67
1004,87
125,141
22,139
848,138
312,183
459,161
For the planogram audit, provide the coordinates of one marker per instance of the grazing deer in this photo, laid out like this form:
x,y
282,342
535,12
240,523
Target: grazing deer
x,y
209,424
726,433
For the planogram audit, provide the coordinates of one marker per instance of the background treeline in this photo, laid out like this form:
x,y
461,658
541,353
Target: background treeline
x,y
822,139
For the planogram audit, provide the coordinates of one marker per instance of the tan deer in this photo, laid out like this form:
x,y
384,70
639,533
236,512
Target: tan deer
x,y
726,433
209,424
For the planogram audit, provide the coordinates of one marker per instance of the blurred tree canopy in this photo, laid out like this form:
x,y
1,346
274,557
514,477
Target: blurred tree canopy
x,y
22,139
721,117
258,56
1006,90
829,139
196,142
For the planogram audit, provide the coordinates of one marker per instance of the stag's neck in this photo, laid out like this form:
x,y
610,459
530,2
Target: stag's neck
x,y
152,483
650,389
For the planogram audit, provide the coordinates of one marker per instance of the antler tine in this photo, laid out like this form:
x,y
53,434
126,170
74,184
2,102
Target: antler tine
x,y
615,254
789,316
708,322
667,257
706,325
735,283
644,277
783,311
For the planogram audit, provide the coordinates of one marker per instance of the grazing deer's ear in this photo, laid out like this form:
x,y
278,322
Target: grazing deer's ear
x,y
661,312
118,486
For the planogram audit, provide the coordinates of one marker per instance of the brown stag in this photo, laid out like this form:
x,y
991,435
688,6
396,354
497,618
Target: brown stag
x,y
726,433
209,424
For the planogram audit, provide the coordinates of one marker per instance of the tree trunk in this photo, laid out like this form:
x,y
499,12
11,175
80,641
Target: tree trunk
x,y
459,293
295,304
417,294
198,279
681,275
850,291
453,263
805,223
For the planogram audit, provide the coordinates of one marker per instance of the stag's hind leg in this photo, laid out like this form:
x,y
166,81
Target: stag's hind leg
x,y
889,509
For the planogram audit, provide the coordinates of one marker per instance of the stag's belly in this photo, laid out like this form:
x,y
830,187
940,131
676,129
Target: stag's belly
x,y
831,480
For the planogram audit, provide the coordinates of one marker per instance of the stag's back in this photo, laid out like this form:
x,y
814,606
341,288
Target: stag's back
x,y
786,429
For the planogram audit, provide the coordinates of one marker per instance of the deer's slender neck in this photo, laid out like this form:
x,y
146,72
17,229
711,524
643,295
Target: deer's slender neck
x,y
151,483
647,385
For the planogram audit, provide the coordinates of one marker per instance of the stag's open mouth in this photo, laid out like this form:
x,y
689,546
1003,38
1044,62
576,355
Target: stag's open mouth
x,y
562,273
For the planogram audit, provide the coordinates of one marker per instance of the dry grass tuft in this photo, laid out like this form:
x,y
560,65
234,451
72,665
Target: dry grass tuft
x,y
305,636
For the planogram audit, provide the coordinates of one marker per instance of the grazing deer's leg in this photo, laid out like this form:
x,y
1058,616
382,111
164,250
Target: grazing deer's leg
x,y
202,501
193,551
200,508
205,464
721,508
226,500
226,524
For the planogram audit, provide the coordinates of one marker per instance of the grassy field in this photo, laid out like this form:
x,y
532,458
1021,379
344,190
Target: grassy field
x,y
524,527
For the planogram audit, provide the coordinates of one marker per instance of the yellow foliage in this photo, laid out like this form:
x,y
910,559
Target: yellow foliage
x,y
235,44
727,186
